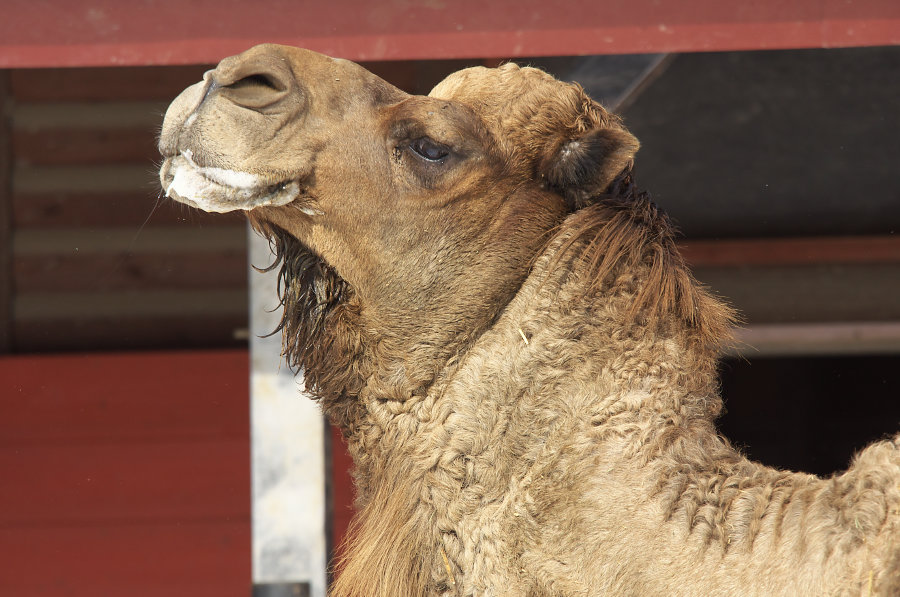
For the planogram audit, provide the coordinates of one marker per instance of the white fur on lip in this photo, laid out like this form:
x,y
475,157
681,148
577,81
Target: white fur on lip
x,y
220,190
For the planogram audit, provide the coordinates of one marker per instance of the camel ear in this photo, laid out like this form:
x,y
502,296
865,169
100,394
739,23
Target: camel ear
x,y
583,167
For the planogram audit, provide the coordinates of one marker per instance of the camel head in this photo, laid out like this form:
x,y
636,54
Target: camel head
x,y
403,223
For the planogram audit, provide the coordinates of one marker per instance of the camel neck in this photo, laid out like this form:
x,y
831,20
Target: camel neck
x,y
558,349
561,369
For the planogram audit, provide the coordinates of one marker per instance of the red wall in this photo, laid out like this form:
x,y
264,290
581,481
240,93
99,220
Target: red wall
x,y
125,474
342,489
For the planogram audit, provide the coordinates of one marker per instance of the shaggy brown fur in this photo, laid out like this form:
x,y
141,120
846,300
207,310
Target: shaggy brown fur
x,y
502,327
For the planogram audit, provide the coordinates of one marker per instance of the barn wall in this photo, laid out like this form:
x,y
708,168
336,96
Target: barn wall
x,y
125,474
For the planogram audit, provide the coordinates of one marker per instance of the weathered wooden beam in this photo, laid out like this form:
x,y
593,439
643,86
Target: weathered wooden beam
x,y
134,210
126,271
836,338
120,240
132,333
110,306
111,32
791,251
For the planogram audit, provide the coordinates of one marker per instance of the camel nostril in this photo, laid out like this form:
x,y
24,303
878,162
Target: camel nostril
x,y
256,91
258,81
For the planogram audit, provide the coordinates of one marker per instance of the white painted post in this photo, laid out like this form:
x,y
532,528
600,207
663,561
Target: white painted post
x,y
288,456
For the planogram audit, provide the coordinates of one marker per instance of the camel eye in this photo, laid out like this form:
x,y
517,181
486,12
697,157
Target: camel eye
x,y
429,150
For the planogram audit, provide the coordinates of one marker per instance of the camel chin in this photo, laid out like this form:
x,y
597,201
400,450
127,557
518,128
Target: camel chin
x,y
221,190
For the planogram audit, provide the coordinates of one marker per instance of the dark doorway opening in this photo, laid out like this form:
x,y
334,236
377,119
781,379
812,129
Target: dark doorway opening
x,y
810,413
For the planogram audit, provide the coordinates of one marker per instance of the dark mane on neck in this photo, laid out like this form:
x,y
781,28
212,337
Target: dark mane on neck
x,y
319,325
623,231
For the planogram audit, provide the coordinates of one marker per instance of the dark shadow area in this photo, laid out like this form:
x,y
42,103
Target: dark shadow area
x,y
769,144
810,414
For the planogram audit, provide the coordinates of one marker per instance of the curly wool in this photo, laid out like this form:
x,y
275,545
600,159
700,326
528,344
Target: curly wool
x,y
571,451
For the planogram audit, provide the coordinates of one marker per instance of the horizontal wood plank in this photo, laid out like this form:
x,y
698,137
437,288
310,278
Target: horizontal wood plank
x,y
176,239
103,178
808,294
791,251
60,133
88,397
141,84
95,115
805,339
134,209
184,559
122,305
62,147
131,333
64,484
130,272
130,320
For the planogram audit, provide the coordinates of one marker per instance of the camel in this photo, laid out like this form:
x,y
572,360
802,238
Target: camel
x,y
500,323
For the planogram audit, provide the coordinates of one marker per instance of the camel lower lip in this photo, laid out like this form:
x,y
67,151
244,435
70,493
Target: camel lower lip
x,y
220,190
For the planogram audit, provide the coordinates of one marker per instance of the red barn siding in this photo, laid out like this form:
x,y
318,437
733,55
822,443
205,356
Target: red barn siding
x,y
125,474
111,32
342,488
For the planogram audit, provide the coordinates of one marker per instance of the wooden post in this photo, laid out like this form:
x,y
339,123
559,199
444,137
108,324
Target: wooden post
x,y
288,456
6,244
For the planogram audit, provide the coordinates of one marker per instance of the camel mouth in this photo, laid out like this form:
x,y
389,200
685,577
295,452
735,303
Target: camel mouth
x,y
221,190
